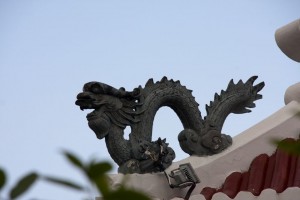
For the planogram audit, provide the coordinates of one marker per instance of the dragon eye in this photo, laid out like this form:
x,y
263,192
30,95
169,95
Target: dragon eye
x,y
96,88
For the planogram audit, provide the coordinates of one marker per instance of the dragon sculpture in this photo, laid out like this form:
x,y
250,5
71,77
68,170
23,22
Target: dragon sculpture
x,y
115,109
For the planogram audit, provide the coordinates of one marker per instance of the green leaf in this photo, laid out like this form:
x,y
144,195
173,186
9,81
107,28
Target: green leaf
x,y
98,169
23,185
126,194
63,182
102,184
2,178
96,174
73,160
289,146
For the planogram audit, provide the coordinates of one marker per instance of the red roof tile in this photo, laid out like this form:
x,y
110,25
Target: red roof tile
x,y
278,171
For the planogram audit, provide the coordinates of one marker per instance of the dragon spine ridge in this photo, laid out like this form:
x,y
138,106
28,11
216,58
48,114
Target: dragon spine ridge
x,y
114,109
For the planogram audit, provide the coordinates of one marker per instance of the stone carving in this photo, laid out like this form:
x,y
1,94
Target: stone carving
x,y
115,109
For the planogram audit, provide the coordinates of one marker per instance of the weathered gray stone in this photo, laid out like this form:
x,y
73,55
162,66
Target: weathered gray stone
x,y
115,109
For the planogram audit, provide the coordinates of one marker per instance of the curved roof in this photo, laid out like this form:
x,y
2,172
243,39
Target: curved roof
x,y
278,172
246,169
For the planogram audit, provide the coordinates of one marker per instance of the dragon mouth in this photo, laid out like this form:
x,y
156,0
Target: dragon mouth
x,y
85,101
87,106
84,104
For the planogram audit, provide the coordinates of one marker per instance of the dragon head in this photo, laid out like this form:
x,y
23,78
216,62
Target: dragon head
x,y
110,105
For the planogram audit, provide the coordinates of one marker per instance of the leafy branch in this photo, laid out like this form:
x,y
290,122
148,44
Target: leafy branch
x,y
21,186
94,171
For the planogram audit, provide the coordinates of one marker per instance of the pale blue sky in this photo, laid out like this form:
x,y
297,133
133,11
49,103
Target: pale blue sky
x,y
49,49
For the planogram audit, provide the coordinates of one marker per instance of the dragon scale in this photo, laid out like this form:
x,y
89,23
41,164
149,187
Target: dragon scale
x,y
171,94
118,147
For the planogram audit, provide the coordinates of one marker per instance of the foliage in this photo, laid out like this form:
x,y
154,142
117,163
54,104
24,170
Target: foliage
x,y
94,171
21,186
289,146
2,178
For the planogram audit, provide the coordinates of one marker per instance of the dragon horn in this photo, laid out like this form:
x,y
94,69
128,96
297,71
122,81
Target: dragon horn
x,y
251,80
259,86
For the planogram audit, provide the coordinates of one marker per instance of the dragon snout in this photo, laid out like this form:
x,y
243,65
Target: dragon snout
x,y
83,95
84,100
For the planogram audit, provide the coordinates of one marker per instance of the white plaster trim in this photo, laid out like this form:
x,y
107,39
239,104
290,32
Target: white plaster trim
x,y
291,193
292,93
288,40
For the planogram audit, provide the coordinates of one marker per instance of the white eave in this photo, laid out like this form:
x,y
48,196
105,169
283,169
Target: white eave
x,y
288,40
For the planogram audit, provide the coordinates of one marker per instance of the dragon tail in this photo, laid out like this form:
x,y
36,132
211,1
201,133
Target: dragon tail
x,y
238,98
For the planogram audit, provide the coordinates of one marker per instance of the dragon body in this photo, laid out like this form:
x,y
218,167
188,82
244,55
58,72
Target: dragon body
x,y
115,109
